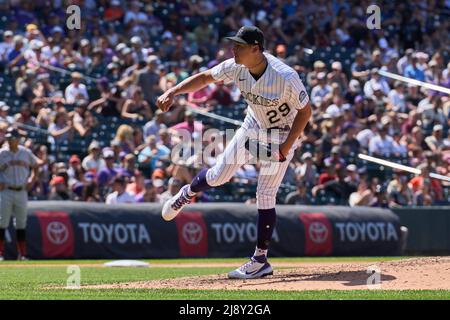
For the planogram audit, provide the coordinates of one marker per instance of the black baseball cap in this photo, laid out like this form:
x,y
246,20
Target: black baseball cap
x,y
249,35
12,133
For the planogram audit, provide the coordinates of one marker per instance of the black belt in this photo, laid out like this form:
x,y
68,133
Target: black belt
x,y
15,188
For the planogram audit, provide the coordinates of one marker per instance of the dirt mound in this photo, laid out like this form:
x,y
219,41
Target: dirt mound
x,y
431,273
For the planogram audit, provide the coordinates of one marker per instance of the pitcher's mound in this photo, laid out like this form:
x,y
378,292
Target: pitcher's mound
x,y
432,273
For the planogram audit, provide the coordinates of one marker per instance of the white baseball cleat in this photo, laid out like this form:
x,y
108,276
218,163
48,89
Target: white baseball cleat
x,y
1,258
174,205
255,268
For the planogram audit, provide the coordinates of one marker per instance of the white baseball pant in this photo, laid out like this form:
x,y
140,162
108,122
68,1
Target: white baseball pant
x,y
236,155
13,203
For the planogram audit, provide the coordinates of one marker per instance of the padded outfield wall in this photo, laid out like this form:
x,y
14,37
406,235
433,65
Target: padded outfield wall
x,y
428,228
98,231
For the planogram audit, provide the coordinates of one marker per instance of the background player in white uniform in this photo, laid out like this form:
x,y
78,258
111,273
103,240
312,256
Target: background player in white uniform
x,y
15,164
276,100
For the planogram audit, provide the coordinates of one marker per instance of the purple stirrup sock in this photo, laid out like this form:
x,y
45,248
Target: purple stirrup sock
x,y
199,182
266,223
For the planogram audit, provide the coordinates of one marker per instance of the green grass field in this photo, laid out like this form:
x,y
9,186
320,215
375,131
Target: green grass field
x,y
32,279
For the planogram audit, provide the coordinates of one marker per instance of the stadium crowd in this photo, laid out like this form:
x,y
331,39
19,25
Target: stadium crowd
x,y
84,100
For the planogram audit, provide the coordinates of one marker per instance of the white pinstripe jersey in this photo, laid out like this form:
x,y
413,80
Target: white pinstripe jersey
x,y
15,167
273,99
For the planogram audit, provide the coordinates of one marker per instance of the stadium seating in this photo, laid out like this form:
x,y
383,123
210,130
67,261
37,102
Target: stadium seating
x,y
235,191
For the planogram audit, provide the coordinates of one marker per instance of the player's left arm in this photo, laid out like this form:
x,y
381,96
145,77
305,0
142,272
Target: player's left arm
x,y
298,98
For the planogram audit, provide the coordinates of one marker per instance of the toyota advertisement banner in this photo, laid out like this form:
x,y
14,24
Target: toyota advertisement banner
x,y
97,231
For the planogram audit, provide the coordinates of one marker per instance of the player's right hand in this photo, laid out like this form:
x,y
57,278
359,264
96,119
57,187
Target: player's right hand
x,y
165,101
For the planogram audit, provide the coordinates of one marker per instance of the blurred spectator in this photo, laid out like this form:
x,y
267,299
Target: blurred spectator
x,y
6,45
59,191
399,192
321,89
124,135
307,171
423,197
339,187
381,198
76,90
24,85
435,142
337,76
353,175
134,14
399,145
404,61
153,153
359,69
119,194
16,55
148,80
91,192
381,145
300,196
107,173
363,196
153,126
128,168
114,11
93,161
328,175
165,138
4,117
375,83
397,98
158,181
74,169
84,121
417,183
413,71
149,195
61,128
136,108
110,103
220,95
201,97
335,159
318,67
328,137
349,143
177,75
43,88
136,187
297,60
189,124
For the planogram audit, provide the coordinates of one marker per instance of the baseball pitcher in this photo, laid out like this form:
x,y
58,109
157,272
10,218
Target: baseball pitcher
x,y
277,101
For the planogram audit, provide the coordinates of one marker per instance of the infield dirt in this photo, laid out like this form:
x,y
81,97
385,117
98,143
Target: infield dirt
x,y
425,273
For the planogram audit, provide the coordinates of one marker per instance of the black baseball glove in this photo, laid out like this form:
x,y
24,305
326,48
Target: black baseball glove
x,y
263,151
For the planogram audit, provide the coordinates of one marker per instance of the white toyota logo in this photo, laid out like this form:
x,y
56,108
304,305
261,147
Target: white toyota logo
x,y
57,232
318,232
192,233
